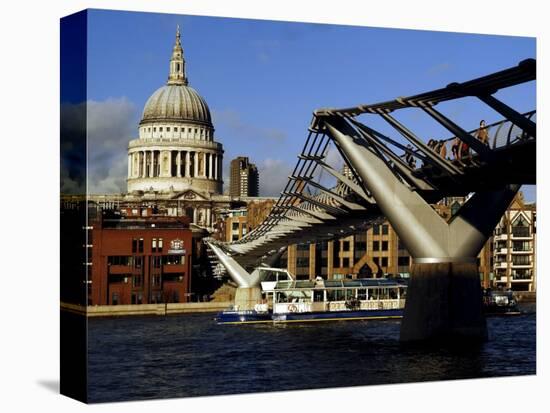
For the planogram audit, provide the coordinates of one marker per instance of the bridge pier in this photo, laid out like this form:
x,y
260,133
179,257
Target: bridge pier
x,y
444,303
444,299
247,297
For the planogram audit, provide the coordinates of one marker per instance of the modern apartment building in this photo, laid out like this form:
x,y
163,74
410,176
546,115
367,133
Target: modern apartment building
x,y
514,244
244,179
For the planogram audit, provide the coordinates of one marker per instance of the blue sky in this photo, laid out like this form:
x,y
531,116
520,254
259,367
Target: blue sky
x,y
262,79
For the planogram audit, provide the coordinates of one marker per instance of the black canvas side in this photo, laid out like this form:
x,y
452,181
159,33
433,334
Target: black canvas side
x,y
73,211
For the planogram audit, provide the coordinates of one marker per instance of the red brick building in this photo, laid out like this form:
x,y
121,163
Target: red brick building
x,y
139,259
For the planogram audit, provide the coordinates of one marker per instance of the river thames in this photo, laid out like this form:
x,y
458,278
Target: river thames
x,y
153,357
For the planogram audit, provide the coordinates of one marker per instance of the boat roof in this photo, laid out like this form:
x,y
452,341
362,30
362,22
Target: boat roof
x,y
337,284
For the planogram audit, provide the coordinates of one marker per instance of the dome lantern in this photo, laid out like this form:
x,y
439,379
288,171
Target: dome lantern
x,y
177,63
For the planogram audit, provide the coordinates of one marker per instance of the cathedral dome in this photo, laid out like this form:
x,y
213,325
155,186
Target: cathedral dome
x,y
176,102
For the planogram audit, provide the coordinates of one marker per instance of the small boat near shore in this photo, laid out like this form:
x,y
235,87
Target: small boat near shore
x,y
500,302
285,300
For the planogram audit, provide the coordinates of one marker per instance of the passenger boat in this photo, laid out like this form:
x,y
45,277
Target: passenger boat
x,y
286,300
500,302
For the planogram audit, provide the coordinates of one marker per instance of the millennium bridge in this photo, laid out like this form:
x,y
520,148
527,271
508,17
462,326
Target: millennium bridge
x,y
383,181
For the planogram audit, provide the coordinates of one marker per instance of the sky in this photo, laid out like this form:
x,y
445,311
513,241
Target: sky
x,y
263,79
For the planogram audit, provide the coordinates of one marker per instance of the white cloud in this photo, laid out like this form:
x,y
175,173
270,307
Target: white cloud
x,y
273,176
111,124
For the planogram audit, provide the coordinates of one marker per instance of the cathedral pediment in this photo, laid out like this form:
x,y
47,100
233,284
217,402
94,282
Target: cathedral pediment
x,y
190,195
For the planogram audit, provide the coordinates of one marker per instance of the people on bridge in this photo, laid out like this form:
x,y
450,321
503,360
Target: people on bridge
x,y
443,149
455,149
482,133
464,150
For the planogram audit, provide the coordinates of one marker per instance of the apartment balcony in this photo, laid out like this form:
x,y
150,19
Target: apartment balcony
x,y
522,278
502,264
525,251
501,251
522,266
500,237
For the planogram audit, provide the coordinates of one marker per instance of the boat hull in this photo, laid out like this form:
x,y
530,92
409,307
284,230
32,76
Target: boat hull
x,y
248,317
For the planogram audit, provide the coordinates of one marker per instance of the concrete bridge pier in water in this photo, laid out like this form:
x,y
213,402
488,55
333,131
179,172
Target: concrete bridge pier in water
x,y
444,295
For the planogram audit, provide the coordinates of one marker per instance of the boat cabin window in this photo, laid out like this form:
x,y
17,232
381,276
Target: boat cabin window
x,y
362,294
293,296
272,275
336,295
318,296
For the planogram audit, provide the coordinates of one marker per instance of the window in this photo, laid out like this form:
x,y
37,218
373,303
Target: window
x,y
134,245
520,260
385,229
119,260
302,262
154,245
156,280
159,246
160,129
140,245
168,129
154,129
156,297
136,281
345,245
402,261
345,262
114,299
376,229
360,246
384,245
138,262
302,247
175,129
400,245
137,298
521,245
156,261
376,245
173,259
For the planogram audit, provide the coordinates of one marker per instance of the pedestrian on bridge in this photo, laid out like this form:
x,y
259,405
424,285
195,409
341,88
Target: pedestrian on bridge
x,y
443,149
455,149
482,133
